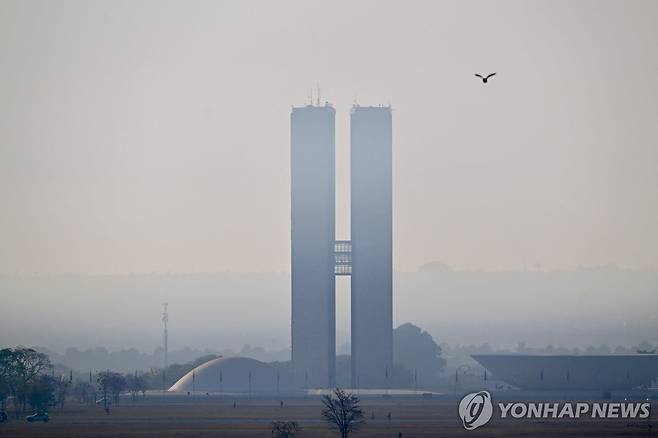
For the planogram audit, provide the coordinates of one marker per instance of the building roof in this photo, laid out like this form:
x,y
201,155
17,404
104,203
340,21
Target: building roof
x,y
572,372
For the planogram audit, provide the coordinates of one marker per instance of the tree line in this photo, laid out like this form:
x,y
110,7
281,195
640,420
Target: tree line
x,y
27,378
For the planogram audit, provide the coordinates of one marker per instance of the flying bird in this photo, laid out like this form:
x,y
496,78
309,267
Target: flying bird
x,y
485,78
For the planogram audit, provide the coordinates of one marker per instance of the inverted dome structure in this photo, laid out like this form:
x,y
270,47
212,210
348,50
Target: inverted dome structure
x,y
232,374
572,372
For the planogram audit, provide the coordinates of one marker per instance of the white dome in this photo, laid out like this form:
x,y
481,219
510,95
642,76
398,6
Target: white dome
x,y
235,374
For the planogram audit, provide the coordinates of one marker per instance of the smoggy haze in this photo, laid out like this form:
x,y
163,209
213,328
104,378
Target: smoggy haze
x,y
597,306
154,136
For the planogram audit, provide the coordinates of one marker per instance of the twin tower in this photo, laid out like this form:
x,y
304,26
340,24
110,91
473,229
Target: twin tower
x,y
317,257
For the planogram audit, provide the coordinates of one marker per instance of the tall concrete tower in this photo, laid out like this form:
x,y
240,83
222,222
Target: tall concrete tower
x,y
317,257
371,223
312,164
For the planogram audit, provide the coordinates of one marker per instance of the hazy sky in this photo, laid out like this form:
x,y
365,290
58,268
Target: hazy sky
x,y
154,136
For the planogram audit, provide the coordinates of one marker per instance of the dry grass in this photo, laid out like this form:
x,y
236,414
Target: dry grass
x,y
211,417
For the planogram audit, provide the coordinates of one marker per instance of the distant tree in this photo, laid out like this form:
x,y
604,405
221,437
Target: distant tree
x,y
645,348
143,385
136,383
416,350
117,386
203,359
342,412
19,368
111,385
131,385
103,383
61,390
6,376
41,392
82,391
29,364
603,349
285,429
621,350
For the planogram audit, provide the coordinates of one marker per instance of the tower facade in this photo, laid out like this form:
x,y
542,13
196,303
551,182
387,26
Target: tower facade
x,y
371,231
316,257
313,326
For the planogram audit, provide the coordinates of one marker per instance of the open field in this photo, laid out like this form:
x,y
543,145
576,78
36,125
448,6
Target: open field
x,y
213,416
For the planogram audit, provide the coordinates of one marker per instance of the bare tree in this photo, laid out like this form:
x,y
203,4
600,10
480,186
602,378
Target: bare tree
x,y
136,383
342,412
285,429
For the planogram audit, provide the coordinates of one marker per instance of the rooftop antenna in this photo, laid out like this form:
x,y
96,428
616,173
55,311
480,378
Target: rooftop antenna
x,y
165,320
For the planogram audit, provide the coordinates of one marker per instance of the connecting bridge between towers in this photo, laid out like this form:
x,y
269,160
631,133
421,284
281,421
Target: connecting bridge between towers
x,y
343,257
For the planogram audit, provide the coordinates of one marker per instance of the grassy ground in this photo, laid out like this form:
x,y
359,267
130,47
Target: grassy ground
x,y
209,417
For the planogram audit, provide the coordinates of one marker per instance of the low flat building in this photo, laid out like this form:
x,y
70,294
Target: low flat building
x,y
572,372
